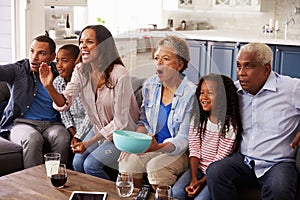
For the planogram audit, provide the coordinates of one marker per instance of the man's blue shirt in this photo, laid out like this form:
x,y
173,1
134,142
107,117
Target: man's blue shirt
x,y
23,88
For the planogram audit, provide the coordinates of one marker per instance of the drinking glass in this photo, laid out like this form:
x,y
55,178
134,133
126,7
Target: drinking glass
x,y
124,184
51,160
163,192
59,176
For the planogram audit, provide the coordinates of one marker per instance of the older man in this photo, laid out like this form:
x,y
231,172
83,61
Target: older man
x,y
270,111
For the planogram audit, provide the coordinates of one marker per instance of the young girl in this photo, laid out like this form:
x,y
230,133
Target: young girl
x,y
214,133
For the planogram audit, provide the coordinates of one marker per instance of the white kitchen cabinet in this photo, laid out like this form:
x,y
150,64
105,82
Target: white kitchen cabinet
x,y
127,48
185,3
65,2
245,5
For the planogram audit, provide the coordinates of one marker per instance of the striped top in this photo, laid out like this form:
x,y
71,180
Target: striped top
x,y
212,146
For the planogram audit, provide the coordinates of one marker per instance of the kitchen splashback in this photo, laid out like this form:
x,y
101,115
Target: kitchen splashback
x,y
277,10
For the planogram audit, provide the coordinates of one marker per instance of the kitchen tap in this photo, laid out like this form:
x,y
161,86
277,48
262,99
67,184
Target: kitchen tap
x,y
287,22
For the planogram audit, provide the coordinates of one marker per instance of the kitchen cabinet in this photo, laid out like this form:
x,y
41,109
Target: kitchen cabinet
x,y
197,62
127,48
185,3
249,5
66,2
273,48
221,58
287,59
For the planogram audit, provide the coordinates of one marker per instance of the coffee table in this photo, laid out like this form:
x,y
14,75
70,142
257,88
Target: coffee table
x,y
32,183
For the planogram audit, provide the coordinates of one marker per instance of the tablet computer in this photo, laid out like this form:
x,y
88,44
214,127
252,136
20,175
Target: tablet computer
x,y
85,195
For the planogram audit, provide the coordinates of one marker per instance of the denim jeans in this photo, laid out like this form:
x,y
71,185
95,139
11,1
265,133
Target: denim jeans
x,y
179,187
225,177
94,160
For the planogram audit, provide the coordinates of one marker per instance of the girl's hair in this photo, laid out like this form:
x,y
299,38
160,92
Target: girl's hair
x,y
180,47
72,49
227,106
108,53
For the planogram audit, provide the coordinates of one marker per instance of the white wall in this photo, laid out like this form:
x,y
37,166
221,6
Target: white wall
x,y
126,15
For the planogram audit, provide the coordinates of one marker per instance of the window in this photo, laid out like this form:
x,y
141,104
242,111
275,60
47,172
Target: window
x,y
5,31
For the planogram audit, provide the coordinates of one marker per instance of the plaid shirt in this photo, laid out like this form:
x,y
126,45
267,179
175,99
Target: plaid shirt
x,y
75,116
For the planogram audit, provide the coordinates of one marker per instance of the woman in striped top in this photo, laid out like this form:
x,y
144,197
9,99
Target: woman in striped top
x,y
214,133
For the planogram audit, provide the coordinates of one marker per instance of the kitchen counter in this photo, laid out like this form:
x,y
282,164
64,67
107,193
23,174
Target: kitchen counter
x,y
211,35
224,36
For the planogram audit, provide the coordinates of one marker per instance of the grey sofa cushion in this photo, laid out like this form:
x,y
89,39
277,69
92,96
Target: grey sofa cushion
x,y
11,157
137,84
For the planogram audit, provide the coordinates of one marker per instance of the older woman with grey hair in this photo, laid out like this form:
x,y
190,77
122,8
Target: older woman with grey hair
x,y
168,98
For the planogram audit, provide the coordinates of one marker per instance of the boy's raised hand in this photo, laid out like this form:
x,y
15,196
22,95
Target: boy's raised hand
x,y
46,75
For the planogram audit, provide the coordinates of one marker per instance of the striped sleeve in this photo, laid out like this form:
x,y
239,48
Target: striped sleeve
x,y
194,142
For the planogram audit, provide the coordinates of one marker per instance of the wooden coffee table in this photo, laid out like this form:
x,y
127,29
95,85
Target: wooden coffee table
x,y
33,183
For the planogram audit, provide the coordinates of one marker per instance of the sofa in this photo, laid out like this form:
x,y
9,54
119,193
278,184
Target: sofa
x,y
11,154
11,157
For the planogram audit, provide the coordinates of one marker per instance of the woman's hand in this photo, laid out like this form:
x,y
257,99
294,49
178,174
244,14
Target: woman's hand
x,y
153,146
123,154
79,147
194,188
46,75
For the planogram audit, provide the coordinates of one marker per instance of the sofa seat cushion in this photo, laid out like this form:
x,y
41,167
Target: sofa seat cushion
x,y
11,157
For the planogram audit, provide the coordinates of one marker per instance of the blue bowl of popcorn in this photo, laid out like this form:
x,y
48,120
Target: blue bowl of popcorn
x,y
131,141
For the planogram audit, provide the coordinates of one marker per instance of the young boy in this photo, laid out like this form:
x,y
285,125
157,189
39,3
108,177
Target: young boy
x,y
75,118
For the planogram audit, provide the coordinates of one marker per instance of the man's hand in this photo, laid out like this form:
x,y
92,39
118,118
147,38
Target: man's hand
x,y
296,141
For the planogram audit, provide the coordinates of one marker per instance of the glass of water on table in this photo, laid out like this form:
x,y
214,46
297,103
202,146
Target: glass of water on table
x,y
52,161
124,184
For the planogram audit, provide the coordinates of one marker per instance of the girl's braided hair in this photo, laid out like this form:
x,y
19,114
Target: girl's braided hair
x,y
227,106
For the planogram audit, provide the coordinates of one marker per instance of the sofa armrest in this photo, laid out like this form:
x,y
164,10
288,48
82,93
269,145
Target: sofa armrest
x,y
11,157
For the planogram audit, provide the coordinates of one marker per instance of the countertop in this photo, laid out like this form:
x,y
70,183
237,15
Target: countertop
x,y
242,36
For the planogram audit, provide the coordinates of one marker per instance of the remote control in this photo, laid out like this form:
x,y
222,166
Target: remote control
x,y
143,192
